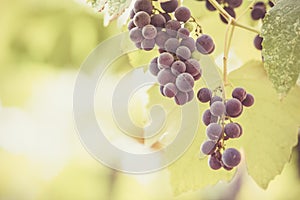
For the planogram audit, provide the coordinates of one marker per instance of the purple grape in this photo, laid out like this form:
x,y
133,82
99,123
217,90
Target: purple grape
x,y
130,25
214,131
153,66
234,3
208,147
231,157
161,89
169,6
131,14
170,90
143,5
190,95
172,26
178,67
239,93
148,44
208,118
136,35
241,129
183,53
181,98
227,168
183,33
165,76
185,82
209,6
165,60
260,4
149,31
230,11
248,101
171,45
258,12
214,99
193,67
204,95
233,107
161,38
141,19
217,108
138,45
197,77
257,42
205,44
158,20
189,43
166,16
214,163
232,130
182,14
271,4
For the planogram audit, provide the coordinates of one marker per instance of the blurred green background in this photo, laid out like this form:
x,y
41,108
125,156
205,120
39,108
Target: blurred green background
x,y
42,45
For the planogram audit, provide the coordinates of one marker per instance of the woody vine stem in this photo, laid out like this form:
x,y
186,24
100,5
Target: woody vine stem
x,y
232,23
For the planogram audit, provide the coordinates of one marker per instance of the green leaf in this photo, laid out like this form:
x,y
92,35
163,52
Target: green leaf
x,y
270,126
281,45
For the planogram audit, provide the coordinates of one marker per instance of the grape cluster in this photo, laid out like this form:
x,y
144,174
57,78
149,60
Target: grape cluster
x,y
175,68
220,126
228,5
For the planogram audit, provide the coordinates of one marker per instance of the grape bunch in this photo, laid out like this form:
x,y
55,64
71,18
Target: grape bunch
x,y
221,127
228,5
175,68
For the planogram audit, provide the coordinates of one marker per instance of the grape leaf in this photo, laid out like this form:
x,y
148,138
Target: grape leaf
x,y
270,126
281,45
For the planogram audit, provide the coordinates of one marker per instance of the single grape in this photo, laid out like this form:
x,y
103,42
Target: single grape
x,y
208,147
169,6
165,76
136,35
217,108
193,67
158,20
161,89
165,60
190,95
166,16
205,44
131,14
160,50
260,4
258,12
181,98
172,26
208,118
183,33
233,107
214,99
209,6
239,93
231,157
185,82
130,25
232,130
143,5
271,4
170,90
248,101
241,129
183,53
182,14
153,66
197,77
141,19
171,45
257,42
214,163
230,11
149,31
204,95
178,67
234,3
161,38
138,45
214,131
148,44
227,168
189,43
